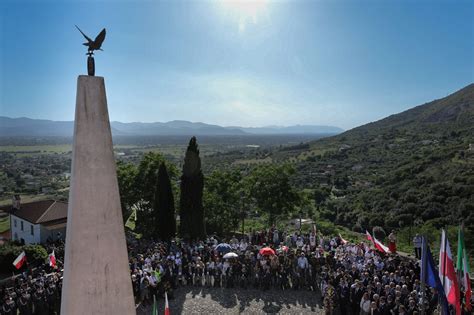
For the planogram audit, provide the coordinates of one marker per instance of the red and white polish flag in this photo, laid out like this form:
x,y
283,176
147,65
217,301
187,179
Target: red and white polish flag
x,y
52,260
20,260
380,246
447,274
377,244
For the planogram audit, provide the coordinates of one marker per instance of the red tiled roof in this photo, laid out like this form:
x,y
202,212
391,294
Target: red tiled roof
x,y
41,211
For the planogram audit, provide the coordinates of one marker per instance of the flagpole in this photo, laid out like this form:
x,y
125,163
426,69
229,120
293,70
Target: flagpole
x,y
423,274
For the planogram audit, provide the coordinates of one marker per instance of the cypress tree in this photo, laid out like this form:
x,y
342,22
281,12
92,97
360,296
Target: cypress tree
x,y
190,203
164,205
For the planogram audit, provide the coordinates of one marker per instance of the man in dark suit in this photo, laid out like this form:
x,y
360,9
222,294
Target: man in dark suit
x,y
356,296
344,295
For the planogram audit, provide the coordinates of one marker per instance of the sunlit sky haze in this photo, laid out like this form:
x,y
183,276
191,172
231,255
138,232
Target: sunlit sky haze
x,y
247,63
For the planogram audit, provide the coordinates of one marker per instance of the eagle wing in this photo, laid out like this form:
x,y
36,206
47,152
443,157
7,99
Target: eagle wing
x,y
100,38
88,39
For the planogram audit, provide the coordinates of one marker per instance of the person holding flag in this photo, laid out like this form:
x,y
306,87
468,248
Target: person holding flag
x,y
462,267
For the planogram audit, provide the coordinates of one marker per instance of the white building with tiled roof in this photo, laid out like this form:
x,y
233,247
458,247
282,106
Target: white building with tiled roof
x,y
36,222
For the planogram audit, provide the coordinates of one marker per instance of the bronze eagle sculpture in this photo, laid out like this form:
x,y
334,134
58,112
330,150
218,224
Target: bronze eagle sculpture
x,y
91,46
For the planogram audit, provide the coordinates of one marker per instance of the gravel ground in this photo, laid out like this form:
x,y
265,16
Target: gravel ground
x,y
201,300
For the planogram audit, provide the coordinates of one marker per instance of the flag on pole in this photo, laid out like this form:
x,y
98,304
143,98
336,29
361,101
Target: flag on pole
x,y
430,276
462,267
380,246
377,244
52,259
132,219
154,310
20,260
448,275
167,307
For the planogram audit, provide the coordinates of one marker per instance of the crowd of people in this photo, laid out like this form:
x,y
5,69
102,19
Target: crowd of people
x,y
37,290
352,278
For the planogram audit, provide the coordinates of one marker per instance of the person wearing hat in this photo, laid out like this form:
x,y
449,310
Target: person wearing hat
x,y
8,307
51,298
25,306
39,301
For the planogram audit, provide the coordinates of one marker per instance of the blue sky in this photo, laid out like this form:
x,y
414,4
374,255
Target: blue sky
x,y
247,63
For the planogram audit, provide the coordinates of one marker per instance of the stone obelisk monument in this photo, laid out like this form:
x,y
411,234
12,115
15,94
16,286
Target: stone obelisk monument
x,y
96,271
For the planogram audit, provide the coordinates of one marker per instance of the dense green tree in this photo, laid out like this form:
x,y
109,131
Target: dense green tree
x,y
164,205
129,195
191,192
137,186
271,188
222,201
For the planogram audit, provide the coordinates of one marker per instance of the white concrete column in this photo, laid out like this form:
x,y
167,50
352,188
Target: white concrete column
x,y
96,273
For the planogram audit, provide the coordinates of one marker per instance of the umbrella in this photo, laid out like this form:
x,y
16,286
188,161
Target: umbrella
x,y
230,255
283,248
223,248
267,251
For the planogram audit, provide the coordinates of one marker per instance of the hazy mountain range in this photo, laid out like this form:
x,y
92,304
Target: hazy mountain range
x,y
12,127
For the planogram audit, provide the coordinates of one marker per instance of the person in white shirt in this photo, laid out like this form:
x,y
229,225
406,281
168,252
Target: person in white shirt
x,y
417,242
303,262
299,242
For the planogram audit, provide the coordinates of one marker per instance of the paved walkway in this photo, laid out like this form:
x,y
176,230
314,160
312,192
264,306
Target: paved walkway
x,y
201,300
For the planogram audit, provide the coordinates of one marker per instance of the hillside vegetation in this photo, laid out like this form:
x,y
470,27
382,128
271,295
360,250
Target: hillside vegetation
x,y
415,168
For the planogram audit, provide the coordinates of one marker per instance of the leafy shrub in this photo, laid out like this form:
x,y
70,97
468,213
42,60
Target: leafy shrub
x,y
9,252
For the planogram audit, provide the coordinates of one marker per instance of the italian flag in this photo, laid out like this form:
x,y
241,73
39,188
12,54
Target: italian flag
x,y
462,267
52,259
20,260
448,275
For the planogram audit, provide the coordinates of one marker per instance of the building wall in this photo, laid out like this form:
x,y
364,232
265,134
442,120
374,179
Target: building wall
x,y
25,234
52,234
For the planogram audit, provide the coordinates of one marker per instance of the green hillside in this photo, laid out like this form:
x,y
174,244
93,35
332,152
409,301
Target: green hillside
x,y
415,168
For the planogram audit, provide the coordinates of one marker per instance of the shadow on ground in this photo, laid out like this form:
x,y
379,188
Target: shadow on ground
x,y
202,300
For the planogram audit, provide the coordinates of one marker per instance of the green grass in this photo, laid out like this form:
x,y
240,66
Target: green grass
x,y
24,199
44,149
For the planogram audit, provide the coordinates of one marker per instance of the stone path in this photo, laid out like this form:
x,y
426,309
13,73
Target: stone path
x,y
201,300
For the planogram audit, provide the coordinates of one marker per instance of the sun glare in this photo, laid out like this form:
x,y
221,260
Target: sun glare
x,y
246,11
